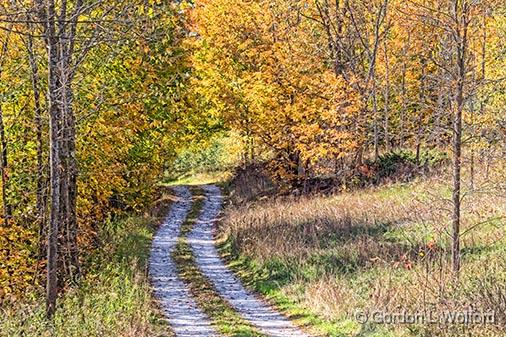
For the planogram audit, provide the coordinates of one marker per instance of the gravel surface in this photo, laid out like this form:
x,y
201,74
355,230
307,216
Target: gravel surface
x,y
229,287
175,299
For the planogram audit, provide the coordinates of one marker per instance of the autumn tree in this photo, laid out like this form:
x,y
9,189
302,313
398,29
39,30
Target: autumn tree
x,y
277,88
109,78
458,22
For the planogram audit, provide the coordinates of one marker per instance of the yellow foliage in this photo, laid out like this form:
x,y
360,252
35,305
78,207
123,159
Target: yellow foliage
x,y
18,267
265,76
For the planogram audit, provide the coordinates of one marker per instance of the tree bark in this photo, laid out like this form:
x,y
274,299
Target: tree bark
x,y
404,108
3,171
375,120
461,13
3,151
41,201
423,105
386,107
55,127
70,183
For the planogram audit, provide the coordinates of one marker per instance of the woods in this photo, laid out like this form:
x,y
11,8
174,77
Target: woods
x,y
351,79
403,76
63,114
102,102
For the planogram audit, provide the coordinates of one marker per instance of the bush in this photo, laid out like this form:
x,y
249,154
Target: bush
x,y
402,165
114,297
216,155
18,262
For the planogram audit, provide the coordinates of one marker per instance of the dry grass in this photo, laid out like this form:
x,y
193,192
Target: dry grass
x,y
382,249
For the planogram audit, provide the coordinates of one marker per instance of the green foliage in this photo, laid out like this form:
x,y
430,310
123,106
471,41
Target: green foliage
x,y
128,103
219,154
388,161
404,162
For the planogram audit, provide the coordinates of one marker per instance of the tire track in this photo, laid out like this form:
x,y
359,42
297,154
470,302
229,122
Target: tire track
x,y
183,314
228,286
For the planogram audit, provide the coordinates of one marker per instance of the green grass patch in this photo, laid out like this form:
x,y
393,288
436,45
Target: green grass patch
x,y
269,281
272,277
321,259
113,299
196,179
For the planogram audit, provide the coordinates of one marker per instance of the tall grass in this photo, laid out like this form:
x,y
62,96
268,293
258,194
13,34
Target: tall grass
x,y
378,249
114,298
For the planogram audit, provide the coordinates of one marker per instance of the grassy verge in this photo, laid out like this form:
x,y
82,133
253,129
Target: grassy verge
x,y
224,317
265,281
201,179
323,259
114,298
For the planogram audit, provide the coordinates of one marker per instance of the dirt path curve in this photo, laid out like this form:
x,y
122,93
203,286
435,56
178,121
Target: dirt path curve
x,y
229,287
186,319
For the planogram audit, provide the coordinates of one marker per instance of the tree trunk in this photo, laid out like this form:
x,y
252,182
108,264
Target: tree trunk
x,y
404,108
386,112
457,159
3,171
3,151
471,155
55,126
71,186
461,20
419,132
41,201
375,121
